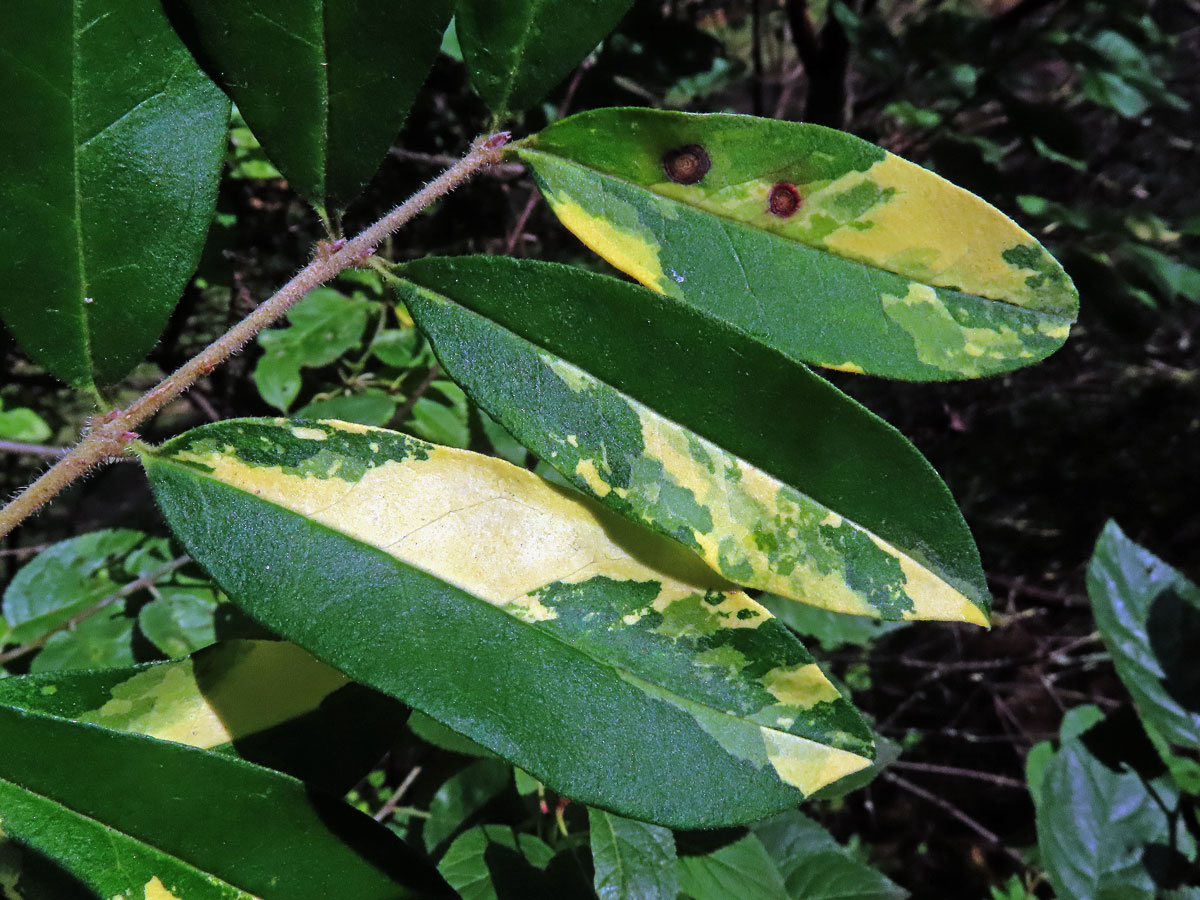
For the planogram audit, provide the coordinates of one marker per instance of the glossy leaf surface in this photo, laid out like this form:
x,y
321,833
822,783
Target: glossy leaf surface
x,y
113,147
777,479
809,240
1149,616
324,84
152,825
531,621
1094,826
519,51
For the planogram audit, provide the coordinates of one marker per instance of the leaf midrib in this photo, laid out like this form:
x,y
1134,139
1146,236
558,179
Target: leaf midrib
x,y
532,149
492,606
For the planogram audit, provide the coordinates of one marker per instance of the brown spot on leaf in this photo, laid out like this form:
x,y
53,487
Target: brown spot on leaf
x,y
686,165
784,200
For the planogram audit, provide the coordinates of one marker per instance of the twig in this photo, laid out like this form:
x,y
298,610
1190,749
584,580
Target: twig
x,y
24,551
946,806
109,436
1001,780
33,449
132,587
394,801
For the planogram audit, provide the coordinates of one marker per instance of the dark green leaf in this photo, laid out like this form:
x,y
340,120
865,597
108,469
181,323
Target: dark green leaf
x,y
267,702
810,241
518,52
774,476
495,863
528,620
324,84
431,731
1094,826
633,860
439,421
816,867
113,142
1149,617
463,795
127,815
831,630
734,872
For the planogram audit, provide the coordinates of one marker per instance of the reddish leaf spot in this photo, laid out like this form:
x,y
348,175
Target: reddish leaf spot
x,y
686,165
784,200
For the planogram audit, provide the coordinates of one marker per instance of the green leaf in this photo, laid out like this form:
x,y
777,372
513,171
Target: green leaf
x,y
442,423
147,827
180,620
770,473
324,84
1149,617
113,142
1094,825
816,867
810,241
517,53
22,424
267,702
63,580
633,860
431,731
1111,90
371,407
462,796
102,641
733,872
410,566
322,327
493,862
832,630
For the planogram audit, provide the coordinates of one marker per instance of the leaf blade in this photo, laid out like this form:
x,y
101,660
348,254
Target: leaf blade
x,y
715,467
868,264
617,662
109,184
324,84
516,55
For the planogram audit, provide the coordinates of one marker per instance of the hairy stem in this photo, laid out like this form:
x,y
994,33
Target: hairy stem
x,y
108,436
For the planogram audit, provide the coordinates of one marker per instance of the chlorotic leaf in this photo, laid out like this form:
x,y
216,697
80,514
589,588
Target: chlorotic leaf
x,y
113,146
1149,617
127,815
529,620
777,479
324,84
811,241
518,52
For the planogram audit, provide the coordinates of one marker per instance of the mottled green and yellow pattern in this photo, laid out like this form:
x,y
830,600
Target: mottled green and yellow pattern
x,y
748,525
559,563
868,226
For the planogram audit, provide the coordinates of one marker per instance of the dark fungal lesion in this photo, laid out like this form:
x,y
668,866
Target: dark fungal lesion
x,y
784,200
686,165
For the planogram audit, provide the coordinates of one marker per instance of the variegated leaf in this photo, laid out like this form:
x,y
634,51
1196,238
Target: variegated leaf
x,y
812,241
526,618
89,811
268,702
773,476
